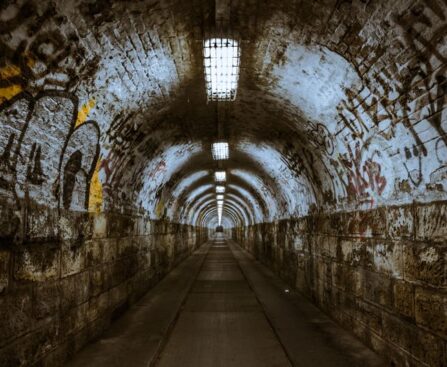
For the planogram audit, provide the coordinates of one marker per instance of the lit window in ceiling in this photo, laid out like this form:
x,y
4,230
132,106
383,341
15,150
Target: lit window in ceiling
x,y
220,176
221,68
219,197
220,189
220,151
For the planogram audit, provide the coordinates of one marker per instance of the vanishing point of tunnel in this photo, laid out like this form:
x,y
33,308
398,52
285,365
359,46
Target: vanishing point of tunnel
x,y
223,183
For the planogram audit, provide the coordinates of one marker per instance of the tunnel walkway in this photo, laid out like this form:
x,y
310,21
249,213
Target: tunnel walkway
x,y
222,308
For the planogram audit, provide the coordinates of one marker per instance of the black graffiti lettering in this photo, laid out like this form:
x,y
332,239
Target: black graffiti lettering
x,y
34,173
49,174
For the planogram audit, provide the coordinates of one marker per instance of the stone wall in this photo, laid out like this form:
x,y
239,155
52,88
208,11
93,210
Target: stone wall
x,y
73,273
380,273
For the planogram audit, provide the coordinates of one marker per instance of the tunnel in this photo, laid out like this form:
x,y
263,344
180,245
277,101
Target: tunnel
x,y
223,183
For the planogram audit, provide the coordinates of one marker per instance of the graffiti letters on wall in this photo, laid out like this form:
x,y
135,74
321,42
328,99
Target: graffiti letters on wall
x,y
38,50
44,156
401,104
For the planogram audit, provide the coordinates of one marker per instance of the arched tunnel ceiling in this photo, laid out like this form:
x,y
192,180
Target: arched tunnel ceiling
x,y
332,111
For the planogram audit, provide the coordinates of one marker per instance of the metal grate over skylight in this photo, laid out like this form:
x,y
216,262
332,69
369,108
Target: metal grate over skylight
x,y
220,176
220,151
219,197
220,189
221,68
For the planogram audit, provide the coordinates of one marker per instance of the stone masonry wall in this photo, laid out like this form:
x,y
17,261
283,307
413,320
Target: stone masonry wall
x,y
380,273
73,273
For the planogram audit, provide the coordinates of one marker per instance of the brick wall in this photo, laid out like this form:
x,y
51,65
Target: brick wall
x,y
61,286
381,273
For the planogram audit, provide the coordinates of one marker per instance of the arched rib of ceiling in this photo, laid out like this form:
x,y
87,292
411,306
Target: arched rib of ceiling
x,y
211,214
243,218
204,188
210,192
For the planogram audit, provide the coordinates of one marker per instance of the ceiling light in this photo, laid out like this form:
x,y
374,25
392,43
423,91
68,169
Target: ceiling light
x,y
221,68
220,189
220,151
219,197
220,176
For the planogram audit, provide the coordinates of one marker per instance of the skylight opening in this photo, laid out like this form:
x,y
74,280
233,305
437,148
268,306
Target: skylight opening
x,y
219,197
220,189
221,68
220,151
220,176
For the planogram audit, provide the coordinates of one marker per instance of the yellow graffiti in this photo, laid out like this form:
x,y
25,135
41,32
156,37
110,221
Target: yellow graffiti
x,y
84,111
6,72
95,198
159,209
10,71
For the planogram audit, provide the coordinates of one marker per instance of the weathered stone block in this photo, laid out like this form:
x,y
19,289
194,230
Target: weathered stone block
x,y
328,246
97,282
72,259
46,299
353,281
118,295
352,251
425,263
11,225
404,298
370,315
74,227
16,314
97,307
41,225
365,223
93,252
120,225
31,347
423,345
431,309
75,290
109,250
400,222
338,275
74,320
99,225
388,258
127,246
378,289
144,259
431,222
37,263
5,257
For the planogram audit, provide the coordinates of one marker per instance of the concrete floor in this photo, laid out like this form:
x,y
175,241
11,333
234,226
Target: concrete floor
x,y
222,308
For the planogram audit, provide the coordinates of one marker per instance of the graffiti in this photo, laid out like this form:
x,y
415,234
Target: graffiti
x,y
419,75
361,115
407,97
441,151
158,169
47,58
44,156
320,137
415,175
364,178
